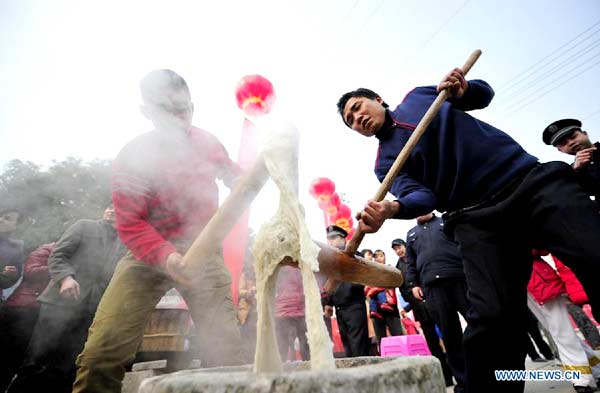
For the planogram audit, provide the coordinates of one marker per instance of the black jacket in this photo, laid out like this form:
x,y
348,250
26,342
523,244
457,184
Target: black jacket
x,y
431,255
589,176
347,294
418,307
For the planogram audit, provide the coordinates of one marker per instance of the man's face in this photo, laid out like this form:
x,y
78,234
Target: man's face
x,y
336,241
364,115
170,111
109,215
368,256
574,142
8,222
379,257
400,250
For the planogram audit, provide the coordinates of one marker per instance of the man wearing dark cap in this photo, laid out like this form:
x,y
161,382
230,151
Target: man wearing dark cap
x,y
568,137
435,274
350,307
421,312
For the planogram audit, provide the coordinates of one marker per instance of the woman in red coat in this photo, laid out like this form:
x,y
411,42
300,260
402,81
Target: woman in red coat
x,y
20,311
547,300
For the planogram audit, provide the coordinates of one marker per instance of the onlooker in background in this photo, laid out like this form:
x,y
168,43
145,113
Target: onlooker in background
x,y
578,298
388,316
350,307
568,137
421,312
247,308
289,313
435,274
81,266
11,250
409,325
546,298
367,254
20,312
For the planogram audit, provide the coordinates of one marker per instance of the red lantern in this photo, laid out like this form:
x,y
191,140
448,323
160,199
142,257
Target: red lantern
x,y
343,217
254,95
344,211
321,186
334,203
323,201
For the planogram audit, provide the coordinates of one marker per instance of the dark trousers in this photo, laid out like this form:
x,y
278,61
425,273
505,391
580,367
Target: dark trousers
x,y
16,326
421,312
287,329
445,301
391,320
354,329
546,210
57,339
585,325
533,330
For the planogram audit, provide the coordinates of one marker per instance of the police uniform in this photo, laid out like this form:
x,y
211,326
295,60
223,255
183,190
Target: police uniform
x,y
351,311
435,264
423,316
589,175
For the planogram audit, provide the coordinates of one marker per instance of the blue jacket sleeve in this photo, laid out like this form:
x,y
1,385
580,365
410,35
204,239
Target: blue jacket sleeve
x,y
477,96
415,198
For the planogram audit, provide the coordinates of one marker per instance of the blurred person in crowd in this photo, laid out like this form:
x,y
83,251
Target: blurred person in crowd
x,y
350,307
19,313
367,254
289,313
164,192
11,250
421,312
435,274
388,317
81,266
246,312
547,300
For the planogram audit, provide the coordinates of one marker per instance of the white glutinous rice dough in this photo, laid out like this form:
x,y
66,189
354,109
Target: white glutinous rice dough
x,y
286,234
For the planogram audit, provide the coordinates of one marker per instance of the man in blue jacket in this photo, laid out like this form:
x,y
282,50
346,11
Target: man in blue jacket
x,y
499,203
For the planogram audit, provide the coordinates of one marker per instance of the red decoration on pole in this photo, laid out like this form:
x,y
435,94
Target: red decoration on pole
x,y
334,211
255,95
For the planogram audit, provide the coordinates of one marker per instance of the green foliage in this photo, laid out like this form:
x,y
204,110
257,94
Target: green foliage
x,y
54,198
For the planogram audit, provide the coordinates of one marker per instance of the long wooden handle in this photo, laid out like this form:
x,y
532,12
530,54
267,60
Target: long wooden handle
x,y
213,234
387,182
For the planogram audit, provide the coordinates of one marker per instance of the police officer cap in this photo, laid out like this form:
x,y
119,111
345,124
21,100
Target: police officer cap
x,y
560,129
398,242
334,230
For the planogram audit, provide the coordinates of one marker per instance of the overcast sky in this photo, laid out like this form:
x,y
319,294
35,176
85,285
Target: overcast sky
x,y
69,73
